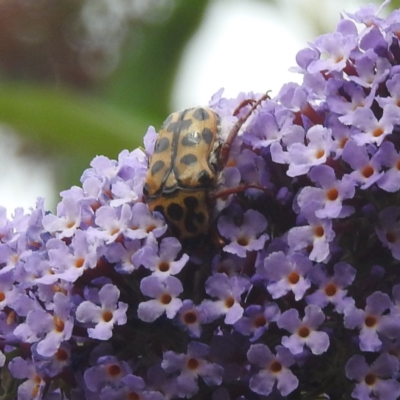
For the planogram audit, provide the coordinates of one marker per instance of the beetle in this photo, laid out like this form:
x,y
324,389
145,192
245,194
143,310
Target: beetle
x,y
183,174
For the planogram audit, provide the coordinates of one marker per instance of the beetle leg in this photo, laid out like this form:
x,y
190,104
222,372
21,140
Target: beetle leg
x,y
244,103
226,146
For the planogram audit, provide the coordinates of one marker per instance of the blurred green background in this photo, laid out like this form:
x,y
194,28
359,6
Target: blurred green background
x,y
79,78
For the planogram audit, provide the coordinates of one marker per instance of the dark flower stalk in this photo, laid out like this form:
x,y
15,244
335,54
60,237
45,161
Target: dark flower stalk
x,y
294,294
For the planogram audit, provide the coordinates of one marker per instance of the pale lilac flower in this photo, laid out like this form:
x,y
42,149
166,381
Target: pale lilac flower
x,y
190,366
286,273
372,130
375,381
246,237
334,49
373,322
388,156
144,223
228,291
55,364
112,222
67,220
331,288
107,371
123,255
70,262
328,197
371,69
316,235
33,387
302,157
160,259
191,317
104,317
165,292
366,168
274,368
256,320
124,192
304,332
53,328
388,230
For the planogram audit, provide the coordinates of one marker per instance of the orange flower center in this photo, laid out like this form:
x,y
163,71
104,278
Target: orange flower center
x,y
293,277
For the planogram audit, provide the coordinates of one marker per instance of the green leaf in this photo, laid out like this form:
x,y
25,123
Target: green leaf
x,y
64,122
147,72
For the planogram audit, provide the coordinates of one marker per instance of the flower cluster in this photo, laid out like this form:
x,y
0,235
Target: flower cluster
x,y
294,294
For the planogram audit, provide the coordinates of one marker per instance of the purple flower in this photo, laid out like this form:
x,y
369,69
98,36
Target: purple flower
x,y
55,364
55,328
131,386
228,291
273,126
256,320
304,331
317,235
373,322
393,87
336,48
246,237
274,368
190,366
331,289
107,371
191,317
143,223
8,292
286,273
67,220
123,255
302,157
70,262
345,106
371,70
32,388
388,230
366,169
388,156
165,292
377,380
105,316
161,259
112,222
328,198
370,129
128,191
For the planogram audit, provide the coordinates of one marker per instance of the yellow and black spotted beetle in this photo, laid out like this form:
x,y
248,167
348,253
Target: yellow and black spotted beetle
x,y
182,178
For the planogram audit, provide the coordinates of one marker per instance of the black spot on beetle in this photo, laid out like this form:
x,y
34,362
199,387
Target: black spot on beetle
x,y
191,202
200,217
175,211
191,139
201,114
189,225
146,189
157,167
188,159
179,126
204,178
161,145
207,135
